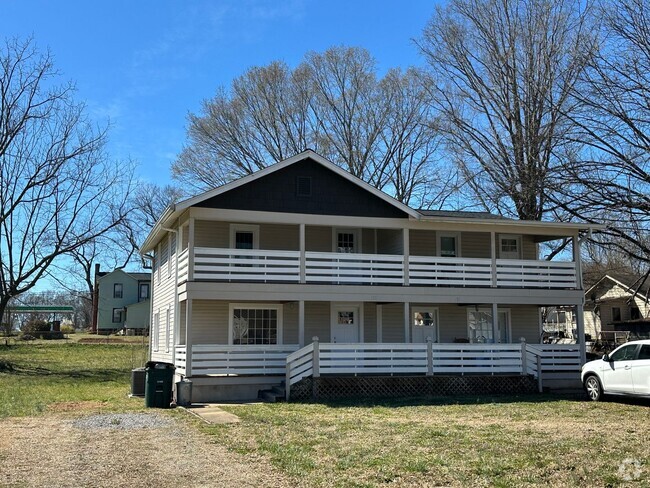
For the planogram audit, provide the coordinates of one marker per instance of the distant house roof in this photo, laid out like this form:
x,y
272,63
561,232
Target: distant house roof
x,y
136,276
630,282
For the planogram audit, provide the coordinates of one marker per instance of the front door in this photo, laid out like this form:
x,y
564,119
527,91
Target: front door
x,y
509,247
345,323
425,324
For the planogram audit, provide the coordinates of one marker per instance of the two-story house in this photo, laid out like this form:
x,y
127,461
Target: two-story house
x,y
302,271
121,301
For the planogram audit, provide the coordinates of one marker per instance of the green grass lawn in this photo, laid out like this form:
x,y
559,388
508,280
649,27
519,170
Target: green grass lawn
x,y
41,374
525,441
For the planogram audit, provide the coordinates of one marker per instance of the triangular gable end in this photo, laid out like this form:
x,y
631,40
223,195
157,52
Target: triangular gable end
x,y
309,186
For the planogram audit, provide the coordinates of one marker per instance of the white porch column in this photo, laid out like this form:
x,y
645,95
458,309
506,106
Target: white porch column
x,y
495,323
301,323
405,255
190,251
493,255
177,318
577,260
380,325
303,260
580,325
407,322
188,338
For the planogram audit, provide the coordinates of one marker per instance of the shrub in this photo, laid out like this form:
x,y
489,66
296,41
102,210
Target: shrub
x,y
35,328
67,329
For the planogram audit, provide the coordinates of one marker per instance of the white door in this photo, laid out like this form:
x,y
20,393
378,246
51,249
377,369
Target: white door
x,y
345,324
617,374
641,371
425,324
509,247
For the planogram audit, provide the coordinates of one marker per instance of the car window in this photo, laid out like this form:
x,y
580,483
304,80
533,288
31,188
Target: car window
x,y
644,353
625,353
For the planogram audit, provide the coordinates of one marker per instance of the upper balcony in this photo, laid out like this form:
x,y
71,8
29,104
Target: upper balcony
x,y
237,265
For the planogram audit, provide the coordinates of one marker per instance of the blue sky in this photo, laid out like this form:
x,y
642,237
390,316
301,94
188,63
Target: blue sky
x,y
144,65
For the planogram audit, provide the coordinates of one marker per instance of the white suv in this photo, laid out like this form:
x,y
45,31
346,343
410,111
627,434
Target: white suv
x,y
626,371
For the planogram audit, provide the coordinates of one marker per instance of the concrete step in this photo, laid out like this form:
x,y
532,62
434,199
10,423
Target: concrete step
x,y
272,395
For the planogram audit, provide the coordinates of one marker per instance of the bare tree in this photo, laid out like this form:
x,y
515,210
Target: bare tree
x,y
380,130
502,76
58,191
612,177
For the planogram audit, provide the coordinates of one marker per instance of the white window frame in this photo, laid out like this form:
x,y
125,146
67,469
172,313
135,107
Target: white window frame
x,y
140,286
433,311
158,258
440,235
489,311
347,230
278,307
155,336
510,236
170,253
255,229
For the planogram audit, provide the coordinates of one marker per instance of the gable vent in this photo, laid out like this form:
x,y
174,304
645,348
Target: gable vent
x,y
303,186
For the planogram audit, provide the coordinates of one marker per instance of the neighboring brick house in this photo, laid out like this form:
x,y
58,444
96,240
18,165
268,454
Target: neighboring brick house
x,y
121,301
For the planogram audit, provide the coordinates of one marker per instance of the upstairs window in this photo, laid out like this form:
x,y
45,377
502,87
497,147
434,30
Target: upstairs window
x,y
448,245
616,314
117,290
143,291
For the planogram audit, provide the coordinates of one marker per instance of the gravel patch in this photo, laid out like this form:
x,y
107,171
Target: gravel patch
x,y
123,421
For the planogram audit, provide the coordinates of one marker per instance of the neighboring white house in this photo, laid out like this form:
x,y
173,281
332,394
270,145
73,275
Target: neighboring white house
x,y
121,301
618,302
304,266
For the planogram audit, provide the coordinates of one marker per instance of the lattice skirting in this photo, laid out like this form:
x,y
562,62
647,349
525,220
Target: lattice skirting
x,y
359,387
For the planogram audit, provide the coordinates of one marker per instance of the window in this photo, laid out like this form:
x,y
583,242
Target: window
x,y
635,313
346,240
625,353
644,353
117,315
448,245
156,331
616,314
117,290
345,317
256,325
244,236
480,326
143,291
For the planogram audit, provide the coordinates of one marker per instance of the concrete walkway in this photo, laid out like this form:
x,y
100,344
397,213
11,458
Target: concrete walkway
x,y
210,413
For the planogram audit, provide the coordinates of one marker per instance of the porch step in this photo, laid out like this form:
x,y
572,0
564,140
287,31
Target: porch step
x,y
272,395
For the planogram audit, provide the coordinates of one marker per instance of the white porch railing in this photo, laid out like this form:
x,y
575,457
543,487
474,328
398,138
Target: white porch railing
x,y
214,359
246,265
555,361
180,361
366,269
437,271
183,266
536,274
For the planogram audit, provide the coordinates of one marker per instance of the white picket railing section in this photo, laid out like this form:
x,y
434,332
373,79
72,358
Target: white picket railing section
x,y
299,365
437,271
385,359
183,266
214,359
180,361
536,274
365,269
557,361
486,359
246,265
265,266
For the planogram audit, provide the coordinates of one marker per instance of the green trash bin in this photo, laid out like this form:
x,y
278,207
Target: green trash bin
x,y
158,384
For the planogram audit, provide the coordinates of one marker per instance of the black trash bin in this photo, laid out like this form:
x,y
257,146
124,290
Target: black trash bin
x,y
158,384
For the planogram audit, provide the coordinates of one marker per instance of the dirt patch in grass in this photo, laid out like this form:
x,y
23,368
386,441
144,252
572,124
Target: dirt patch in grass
x,y
102,340
76,406
52,451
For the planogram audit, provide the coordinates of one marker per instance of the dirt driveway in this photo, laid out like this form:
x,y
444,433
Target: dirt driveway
x,y
145,450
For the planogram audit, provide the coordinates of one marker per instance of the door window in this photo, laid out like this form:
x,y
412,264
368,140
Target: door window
x,y
644,353
625,353
346,241
509,247
448,245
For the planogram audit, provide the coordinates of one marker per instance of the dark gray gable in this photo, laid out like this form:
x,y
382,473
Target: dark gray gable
x,y
304,187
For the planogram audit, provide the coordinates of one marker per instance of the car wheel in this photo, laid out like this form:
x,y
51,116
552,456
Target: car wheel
x,y
593,388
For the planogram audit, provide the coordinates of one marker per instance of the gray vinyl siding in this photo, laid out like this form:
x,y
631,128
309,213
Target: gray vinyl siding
x,y
209,322
389,241
290,323
368,245
317,321
209,233
369,322
393,322
422,243
280,237
318,239
475,245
